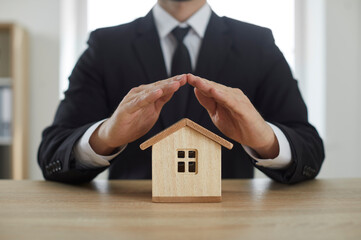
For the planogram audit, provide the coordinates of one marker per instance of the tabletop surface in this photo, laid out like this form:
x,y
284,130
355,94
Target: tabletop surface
x,y
250,209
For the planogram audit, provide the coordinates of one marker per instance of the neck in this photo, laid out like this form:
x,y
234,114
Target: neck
x,y
181,10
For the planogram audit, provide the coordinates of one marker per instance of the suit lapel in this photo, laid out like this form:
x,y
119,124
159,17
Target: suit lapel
x,y
148,49
215,47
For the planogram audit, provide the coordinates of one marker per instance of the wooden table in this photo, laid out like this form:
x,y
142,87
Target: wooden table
x,y
251,209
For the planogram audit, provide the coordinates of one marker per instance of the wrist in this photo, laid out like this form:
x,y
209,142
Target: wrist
x,y
270,150
266,143
100,144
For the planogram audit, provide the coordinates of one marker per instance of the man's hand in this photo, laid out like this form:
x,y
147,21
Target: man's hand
x,y
135,115
235,116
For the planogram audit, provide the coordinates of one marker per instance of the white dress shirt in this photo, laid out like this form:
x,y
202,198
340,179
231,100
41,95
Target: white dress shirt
x,y
165,23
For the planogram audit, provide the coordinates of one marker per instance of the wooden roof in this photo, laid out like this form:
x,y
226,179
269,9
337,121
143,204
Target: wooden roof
x,y
183,123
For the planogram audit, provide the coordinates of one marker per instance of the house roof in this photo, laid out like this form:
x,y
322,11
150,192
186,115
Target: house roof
x,y
183,123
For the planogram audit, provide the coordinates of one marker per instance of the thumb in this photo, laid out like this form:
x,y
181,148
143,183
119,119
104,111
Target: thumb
x,y
163,100
208,103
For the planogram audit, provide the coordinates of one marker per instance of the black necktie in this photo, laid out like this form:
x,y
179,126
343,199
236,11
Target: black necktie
x,y
181,63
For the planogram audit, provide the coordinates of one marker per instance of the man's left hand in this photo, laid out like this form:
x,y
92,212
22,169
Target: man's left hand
x,y
235,116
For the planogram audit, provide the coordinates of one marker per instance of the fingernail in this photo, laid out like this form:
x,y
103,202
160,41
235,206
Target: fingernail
x,y
179,77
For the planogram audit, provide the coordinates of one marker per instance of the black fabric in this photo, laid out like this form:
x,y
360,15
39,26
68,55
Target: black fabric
x,y
181,63
232,53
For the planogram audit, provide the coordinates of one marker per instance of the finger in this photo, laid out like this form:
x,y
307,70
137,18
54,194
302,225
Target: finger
x,y
227,100
182,79
219,96
143,100
220,93
198,81
170,88
200,84
138,89
208,103
170,84
163,100
153,86
167,95
193,80
210,92
149,96
205,86
231,98
165,85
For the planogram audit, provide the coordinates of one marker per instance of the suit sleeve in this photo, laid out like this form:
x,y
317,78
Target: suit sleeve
x,y
280,102
84,104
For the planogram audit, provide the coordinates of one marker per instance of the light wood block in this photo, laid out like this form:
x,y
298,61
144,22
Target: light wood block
x,y
187,199
168,182
186,163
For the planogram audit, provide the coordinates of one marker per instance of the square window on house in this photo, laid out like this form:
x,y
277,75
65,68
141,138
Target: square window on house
x,y
187,161
192,167
181,167
191,154
181,154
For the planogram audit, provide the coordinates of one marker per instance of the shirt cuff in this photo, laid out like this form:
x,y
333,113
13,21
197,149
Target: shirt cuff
x,y
284,157
85,157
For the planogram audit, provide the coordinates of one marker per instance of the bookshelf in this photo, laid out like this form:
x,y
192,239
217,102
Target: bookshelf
x,y
13,102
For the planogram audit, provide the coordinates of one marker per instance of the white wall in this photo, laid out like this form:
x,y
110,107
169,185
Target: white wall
x,y
41,20
310,70
343,95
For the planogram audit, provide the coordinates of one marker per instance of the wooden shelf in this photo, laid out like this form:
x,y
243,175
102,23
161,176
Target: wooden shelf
x,y
14,75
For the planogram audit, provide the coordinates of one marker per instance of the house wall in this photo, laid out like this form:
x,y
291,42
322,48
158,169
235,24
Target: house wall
x,y
168,182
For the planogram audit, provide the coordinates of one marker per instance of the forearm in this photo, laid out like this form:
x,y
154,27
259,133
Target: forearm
x,y
267,146
307,154
284,158
85,155
99,145
56,158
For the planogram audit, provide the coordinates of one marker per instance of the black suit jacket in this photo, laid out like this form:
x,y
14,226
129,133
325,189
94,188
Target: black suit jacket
x,y
233,53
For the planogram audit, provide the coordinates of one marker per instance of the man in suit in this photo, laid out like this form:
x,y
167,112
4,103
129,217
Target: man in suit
x,y
241,88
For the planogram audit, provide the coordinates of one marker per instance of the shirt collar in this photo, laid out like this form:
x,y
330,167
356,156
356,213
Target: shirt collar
x,y
165,22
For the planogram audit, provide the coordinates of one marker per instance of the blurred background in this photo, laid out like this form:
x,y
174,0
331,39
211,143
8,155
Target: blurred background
x,y
320,39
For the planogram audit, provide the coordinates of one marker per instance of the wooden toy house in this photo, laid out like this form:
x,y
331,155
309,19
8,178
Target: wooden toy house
x,y
186,163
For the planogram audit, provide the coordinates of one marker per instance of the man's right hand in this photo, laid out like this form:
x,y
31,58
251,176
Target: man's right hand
x,y
135,115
